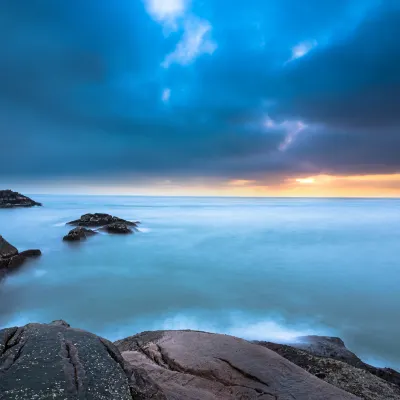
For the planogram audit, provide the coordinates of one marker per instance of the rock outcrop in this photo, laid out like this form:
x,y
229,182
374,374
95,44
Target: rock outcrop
x,y
54,361
330,360
190,365
10,199
99,220
79,233
11,258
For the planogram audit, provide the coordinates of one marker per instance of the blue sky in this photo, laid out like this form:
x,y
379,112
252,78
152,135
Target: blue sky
x,y
131,93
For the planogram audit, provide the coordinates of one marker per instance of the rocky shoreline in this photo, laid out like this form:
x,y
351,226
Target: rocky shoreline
x,y
10,199
55,361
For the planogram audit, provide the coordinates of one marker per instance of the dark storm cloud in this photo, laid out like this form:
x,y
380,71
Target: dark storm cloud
x,y
86,91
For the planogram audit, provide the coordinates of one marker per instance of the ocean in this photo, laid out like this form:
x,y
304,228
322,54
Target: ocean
x,y
257,268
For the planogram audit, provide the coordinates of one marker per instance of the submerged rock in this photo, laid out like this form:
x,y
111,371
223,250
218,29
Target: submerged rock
x,y
199,365
79,233
10,199
10,257
117,227
99,219
328,358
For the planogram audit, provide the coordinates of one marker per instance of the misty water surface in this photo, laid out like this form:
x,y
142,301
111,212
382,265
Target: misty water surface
x,y
254,268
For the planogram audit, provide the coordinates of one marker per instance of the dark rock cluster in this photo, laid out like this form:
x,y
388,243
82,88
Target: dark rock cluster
x,y
99,220
11,258
10,199
328,358
105,222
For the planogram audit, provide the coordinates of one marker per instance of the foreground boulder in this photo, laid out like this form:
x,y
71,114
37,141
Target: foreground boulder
x,y
99,219
11,258
330,360
55,361
190,365
79,233
10,199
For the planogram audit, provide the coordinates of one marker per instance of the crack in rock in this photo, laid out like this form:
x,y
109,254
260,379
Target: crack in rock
x,y
75,375
163,360
244,373
12,348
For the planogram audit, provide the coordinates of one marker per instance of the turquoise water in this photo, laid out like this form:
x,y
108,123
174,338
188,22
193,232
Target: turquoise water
x,y
255,268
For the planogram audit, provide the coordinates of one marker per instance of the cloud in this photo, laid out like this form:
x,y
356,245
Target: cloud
x,y
196,41
302,49
166,94
166,11
88,101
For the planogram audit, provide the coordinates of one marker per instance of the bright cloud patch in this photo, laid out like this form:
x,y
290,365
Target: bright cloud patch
x,y
166,11
196,41
166,94
291,128
302,49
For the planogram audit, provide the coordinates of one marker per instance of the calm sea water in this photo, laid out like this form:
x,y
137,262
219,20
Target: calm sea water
x,y
256,268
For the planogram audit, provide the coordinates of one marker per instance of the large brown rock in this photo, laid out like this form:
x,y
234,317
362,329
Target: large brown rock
x,y
190,365
10,199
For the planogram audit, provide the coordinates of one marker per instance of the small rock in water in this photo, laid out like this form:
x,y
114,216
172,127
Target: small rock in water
x,y
78,234
117,227
10,257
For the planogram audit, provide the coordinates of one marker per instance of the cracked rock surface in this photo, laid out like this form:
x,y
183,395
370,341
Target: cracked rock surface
x,y
54,361
197,365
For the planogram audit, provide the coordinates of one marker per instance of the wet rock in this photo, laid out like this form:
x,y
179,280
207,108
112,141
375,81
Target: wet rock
x,y
54,361
199,365
79,233
117,227
31,253
10,258
328,358
10,199
99,219
7,250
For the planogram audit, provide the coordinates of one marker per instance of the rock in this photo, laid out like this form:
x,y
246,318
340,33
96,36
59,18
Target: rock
x,y
6,249
190,365
99,219
54,361
10,199
60,322
333,347
117,227
330,360
31,253
79,233
10,258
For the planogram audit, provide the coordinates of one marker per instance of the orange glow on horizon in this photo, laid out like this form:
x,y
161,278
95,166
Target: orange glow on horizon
x,y
379,185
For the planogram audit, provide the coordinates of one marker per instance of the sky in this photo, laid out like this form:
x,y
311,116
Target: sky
x,y
201,97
